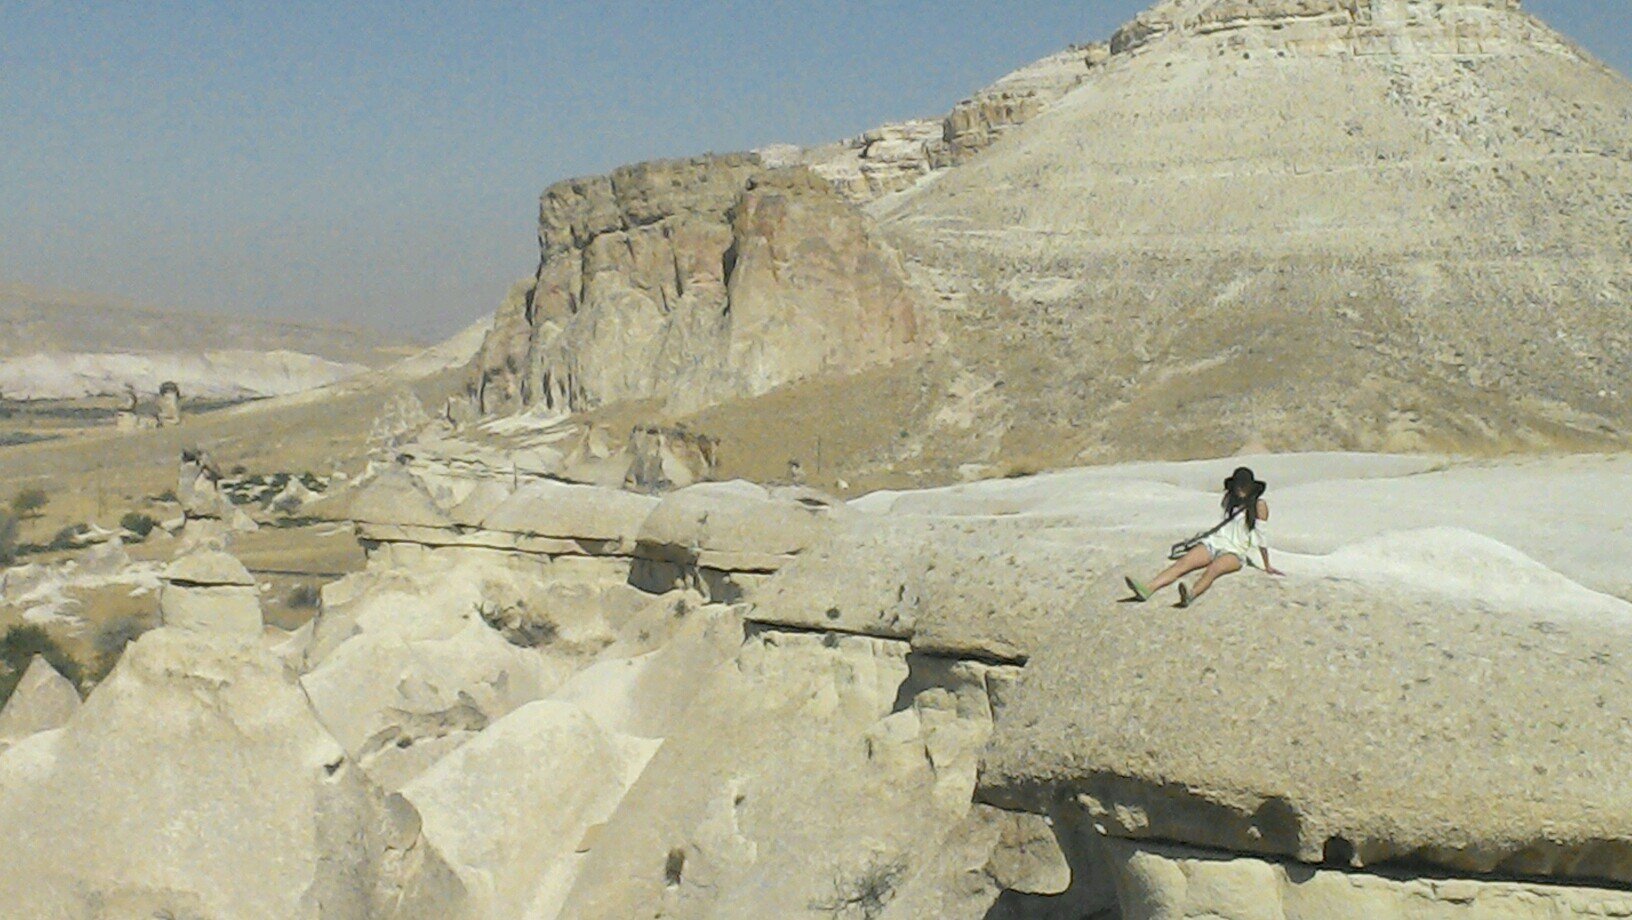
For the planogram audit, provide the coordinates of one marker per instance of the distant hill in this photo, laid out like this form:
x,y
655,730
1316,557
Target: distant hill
x,y
35,319
61,344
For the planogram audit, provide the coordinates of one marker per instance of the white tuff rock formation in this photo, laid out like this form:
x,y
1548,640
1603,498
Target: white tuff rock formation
x,y
926,702
195,781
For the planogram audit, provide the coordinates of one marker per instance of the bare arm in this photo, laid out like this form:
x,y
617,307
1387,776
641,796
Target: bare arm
x,y
1263,515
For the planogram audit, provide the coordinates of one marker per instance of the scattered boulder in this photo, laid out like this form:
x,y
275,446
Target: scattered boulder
x,y
210,592
209,516
169,411
292,498
663,458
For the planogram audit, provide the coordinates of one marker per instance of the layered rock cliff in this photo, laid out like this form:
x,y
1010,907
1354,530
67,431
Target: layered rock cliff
x,y
693,281
898,156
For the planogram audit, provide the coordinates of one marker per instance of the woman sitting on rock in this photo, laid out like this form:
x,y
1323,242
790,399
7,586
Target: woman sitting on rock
x,y
1222,550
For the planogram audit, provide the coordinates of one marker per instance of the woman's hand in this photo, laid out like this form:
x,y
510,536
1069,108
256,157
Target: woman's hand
x,y
1273,570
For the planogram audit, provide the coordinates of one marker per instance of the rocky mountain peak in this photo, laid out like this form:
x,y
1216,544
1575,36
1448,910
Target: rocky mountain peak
x,y
1337,26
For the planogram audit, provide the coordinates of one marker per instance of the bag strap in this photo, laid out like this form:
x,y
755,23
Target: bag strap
x,y
1219,526
1184,546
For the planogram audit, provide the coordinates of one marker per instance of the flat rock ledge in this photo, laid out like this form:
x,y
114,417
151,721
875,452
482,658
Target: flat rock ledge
x,y
1329,724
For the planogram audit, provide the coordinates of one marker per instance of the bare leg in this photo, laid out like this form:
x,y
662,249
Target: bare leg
x,y
1221,565
1197,558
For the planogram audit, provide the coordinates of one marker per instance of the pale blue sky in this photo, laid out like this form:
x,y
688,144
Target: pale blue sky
x,y
380,163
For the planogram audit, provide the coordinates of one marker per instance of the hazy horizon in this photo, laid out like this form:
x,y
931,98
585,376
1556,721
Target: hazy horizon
x,y
380,165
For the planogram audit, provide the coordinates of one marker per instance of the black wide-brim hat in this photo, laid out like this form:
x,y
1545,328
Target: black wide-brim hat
x,y
1244,475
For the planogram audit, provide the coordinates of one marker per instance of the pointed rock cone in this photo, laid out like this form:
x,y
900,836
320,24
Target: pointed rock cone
x,y
42,700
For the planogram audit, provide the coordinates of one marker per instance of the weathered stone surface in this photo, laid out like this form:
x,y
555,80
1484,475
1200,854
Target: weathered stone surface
x,y
198,486
483,500
220,610
895,157
733,527
693,281
395,497
975,123
401,656
241,798
666,458
209,569
881,161
169,408
990,853
1334,26
41,701
210,591
507,810
648,693
610,518
986,589
1326,721
800,768
1157,882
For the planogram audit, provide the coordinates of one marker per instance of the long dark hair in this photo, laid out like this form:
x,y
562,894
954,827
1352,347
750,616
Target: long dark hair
x,y
1242,480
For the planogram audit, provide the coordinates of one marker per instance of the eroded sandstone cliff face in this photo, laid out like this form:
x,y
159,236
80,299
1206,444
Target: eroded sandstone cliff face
x,y
977,122
897,156
1337,26
694,281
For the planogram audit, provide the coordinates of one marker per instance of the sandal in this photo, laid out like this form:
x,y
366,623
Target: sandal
x,y
1140,591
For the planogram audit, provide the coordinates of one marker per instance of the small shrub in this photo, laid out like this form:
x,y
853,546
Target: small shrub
x,y
517,626
8,538
168,496
20,644
138,524
110,641
304,597
867,894
20,438
29,502
68,537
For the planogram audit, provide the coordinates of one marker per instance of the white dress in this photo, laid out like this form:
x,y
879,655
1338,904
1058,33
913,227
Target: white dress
x,y
1235,539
